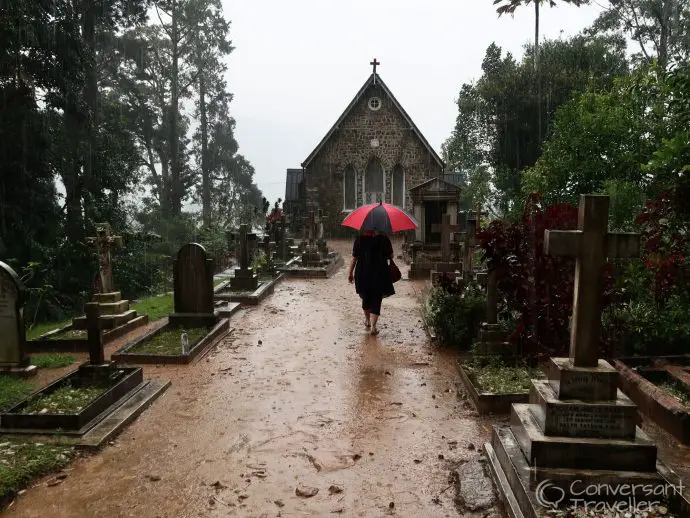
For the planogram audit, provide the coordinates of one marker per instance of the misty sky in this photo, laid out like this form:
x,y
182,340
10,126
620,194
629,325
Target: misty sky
x,y
297,65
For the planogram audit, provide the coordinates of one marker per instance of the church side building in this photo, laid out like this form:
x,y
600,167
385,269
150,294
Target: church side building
x,y
374,152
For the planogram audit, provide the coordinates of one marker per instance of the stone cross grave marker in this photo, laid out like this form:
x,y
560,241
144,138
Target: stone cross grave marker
x,y
310,227
590,244
446,229
321,217
193,281
94,333
104,241
468,245
283,239
12,335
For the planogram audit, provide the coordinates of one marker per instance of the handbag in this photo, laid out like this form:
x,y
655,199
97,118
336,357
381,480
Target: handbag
x,y
394,272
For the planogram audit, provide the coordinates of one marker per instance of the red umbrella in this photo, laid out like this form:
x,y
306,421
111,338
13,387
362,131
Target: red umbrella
x,y
380,216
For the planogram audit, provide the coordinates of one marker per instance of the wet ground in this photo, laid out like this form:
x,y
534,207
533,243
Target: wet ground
x,y
299,397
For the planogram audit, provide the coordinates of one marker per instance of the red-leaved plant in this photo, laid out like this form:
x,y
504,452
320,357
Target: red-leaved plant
x,y
535,288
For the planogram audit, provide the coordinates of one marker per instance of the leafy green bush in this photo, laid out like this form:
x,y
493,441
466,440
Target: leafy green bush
x,y
455,314
649,328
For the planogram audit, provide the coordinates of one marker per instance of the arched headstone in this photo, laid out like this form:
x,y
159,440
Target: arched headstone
x,y
13,357
193,287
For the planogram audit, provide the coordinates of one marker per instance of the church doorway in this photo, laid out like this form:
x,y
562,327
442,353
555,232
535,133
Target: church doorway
x,y
433,212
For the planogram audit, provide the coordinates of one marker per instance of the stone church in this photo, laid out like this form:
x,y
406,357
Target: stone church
x,y
374,152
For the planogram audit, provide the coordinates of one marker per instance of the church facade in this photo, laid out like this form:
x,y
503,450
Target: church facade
x,y
374,152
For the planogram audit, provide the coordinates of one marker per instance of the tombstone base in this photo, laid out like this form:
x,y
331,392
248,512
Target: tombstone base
x,y
19,372
105,298
192,319
587,383
579,452
244,280
616,419
531,492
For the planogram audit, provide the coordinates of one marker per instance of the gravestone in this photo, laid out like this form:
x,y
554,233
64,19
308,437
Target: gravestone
x,y
445,267
13,357
94,334
244,278
114,311
193,288
469,242
492,337
104,242
320,236
578,425
310,255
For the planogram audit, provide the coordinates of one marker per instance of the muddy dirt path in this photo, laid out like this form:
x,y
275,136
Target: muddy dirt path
x,y
298,395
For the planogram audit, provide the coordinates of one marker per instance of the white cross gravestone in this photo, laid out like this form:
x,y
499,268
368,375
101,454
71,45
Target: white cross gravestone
x,y
13,358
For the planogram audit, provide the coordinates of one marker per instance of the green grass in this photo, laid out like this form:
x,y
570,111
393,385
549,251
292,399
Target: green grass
x,y
168,342
13,390
41,329
496,378
53,360
155,307
65,400
20,463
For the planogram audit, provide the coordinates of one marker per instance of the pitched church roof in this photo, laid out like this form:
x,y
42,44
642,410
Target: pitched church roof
x,y
374,78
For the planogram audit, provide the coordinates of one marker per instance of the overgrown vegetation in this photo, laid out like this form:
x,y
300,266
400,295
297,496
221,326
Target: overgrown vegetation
x,y
677,390
169,342
64,400
495,376
455,311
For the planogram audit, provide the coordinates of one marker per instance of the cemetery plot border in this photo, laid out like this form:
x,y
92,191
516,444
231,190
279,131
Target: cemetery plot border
x,y
294,269
51,342
224,292
126,395
485,402
640,379
128,354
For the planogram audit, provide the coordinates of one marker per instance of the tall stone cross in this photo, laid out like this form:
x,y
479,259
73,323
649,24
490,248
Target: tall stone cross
x,y
590,244
104,241
446,229
469,244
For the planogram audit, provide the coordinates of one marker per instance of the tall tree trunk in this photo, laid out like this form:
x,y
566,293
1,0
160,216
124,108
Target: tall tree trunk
x,y
91,100
665,26
71,176
537,68
205,172
176,189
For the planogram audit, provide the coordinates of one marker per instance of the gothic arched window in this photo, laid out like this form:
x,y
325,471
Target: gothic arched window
x,y
398,186
349,188
373,182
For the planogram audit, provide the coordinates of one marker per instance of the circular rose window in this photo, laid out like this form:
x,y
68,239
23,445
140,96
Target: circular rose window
x,y
374,103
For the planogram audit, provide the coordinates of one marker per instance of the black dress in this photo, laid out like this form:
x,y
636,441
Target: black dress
x,y
372,277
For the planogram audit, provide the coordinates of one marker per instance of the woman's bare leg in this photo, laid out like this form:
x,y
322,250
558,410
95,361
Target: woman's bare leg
x,y
367,318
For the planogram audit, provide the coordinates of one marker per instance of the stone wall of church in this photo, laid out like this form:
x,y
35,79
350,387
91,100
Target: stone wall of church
x,y
354,143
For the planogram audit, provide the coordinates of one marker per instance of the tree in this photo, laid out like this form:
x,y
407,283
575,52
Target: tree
x,y
509,8
661,28
496,126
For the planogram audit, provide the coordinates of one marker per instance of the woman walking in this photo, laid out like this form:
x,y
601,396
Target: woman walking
x,y
370,272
